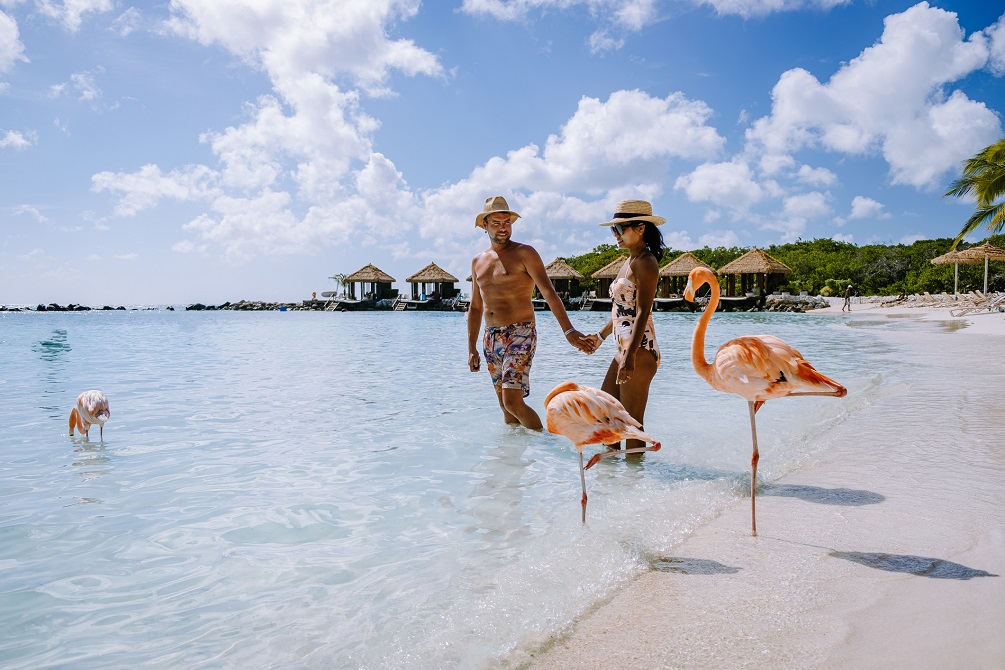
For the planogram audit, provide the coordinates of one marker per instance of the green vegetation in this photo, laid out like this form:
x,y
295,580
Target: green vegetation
x,y
824,266
984,178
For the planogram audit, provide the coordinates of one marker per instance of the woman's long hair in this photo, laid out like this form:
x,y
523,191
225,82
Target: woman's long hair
x,y
653,238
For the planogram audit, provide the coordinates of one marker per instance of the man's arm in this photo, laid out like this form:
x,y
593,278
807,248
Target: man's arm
x,y
535,268
475,310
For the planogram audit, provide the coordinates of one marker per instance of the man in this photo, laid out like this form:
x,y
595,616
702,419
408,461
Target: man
x,y
502,283
847,299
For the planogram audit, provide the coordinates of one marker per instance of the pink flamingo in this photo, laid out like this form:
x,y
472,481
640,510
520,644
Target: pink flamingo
x,y
92,407
755,367
587,415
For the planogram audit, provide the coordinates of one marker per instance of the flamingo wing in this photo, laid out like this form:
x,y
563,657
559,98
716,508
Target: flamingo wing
x,y
762,367
93,406
586,415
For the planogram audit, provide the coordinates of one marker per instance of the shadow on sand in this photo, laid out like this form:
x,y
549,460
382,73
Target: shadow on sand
x,y
842,496
691,566
922,566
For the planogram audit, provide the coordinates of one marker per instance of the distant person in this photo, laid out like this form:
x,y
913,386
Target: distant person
x,y
503,278
847,299
633,293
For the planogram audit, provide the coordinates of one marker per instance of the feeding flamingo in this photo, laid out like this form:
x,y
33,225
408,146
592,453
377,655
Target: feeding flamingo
x,y
756,367
92,407
587,415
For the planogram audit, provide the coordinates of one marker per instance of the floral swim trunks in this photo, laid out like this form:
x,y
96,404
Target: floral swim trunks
x,y
509,351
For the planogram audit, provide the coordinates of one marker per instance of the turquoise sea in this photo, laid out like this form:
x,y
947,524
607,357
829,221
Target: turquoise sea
x,y
336,490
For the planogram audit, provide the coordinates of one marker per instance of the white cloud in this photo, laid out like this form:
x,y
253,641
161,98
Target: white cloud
x,y
601,41
996,42
86,88
806,205
748,8
70,12
912,238
289,38
31,211
616,16
17,140
728,185
144,188
719,238
11,48
840,237
867,208
889,100
815,176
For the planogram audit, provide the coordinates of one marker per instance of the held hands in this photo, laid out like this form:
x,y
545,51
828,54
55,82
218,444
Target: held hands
x,y
584,343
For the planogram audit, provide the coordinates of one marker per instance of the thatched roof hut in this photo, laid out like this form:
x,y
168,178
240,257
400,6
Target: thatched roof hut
x,y
673,274
441,280
379,281
979,254
564,277
608,274
754,268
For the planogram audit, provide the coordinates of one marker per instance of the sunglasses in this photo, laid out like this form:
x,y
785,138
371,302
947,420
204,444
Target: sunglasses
x,y
619,228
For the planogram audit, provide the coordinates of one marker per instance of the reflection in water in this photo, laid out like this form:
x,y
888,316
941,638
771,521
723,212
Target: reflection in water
x,y
94,462
496,499
923,566
53,351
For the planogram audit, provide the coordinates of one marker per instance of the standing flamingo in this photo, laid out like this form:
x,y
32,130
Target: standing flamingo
x,y
587,415
756,367
92,407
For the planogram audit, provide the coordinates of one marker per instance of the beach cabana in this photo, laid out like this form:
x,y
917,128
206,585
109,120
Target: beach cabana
x,y
604,276
374,284
755,269
673,275
985,252
955,258
564,277
441,281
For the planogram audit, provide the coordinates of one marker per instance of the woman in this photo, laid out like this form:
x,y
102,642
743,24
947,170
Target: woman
x,y
632,296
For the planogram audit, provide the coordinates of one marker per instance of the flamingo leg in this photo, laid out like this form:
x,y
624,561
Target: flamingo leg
x,y
582,478
753,467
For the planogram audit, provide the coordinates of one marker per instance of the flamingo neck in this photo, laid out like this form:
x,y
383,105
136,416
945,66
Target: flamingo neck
x,y
701,366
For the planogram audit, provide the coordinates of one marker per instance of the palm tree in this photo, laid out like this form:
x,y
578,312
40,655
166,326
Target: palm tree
x,y
983,177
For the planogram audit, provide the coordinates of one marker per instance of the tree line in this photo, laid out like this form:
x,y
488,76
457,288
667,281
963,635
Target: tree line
x,y
826,267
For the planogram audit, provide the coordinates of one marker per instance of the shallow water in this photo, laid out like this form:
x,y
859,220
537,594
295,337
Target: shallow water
x,y
298,489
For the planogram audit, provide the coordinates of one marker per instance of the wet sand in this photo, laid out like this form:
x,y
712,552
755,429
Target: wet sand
x,y
887,550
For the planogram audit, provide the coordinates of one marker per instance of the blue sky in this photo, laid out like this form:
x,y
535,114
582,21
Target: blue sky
x,y
213,150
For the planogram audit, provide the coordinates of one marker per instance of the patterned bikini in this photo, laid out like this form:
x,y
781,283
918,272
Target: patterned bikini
x,y
623,295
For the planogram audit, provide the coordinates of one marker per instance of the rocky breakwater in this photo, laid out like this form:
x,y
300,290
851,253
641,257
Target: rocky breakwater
x,y
258,306
794,303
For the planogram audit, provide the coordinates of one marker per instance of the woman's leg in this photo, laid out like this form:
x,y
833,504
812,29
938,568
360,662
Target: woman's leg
x,y
634,394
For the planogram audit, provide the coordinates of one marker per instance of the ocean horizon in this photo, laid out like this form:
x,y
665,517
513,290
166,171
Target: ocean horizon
x,y
290,489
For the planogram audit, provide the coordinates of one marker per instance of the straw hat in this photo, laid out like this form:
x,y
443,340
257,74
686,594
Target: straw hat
x,y
494,204
634,210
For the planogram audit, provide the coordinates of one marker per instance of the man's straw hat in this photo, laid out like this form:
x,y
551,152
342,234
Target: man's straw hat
x,y
496,203
634,210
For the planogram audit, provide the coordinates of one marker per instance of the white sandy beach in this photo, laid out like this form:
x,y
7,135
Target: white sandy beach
x,y
886,551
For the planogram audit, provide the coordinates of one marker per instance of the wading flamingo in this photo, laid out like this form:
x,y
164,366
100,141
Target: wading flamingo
x,y
92,407
587,415
756,367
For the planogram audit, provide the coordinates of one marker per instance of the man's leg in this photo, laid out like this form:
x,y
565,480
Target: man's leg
x,y
512,404
507,417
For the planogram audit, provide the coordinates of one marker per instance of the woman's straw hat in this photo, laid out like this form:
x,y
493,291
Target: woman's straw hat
x,y
496,203
634,210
